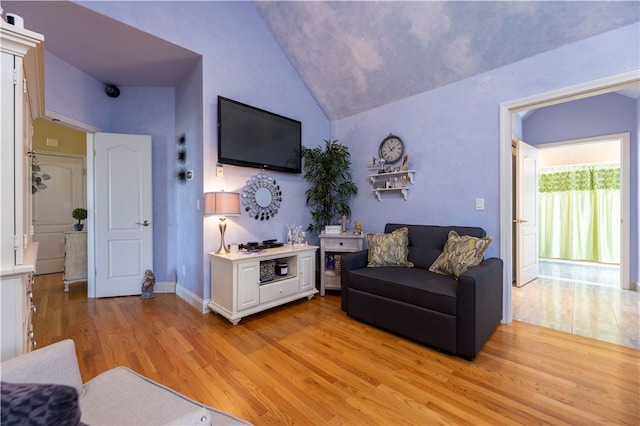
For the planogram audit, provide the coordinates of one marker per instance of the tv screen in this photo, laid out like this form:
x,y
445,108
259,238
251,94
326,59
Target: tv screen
x,y
252,137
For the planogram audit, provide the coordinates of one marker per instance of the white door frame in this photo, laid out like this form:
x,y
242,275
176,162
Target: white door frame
x,y
83,190
579,91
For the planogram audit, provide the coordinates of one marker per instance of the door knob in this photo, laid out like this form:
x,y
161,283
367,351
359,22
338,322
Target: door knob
x,y
145,223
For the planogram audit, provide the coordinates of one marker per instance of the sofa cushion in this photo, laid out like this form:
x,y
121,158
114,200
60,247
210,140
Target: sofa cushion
x,y
122,397
39,404
389,249
410,285
460,253
427,241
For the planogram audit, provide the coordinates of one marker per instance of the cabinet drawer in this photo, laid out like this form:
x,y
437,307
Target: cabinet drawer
x,y
269,292
346,244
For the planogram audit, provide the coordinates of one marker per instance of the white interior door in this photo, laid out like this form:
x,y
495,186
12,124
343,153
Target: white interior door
x,y
123,241
52,208
526,219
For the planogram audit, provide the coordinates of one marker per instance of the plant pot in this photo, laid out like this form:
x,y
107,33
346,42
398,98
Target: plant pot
x,y
78,226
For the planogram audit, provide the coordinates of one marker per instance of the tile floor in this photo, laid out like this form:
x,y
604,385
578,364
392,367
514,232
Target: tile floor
x,y
582,299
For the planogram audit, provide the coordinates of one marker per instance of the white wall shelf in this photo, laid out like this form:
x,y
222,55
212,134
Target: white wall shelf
x,y
393,183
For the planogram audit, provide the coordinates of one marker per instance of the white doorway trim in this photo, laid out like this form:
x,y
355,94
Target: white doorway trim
x,y
579,91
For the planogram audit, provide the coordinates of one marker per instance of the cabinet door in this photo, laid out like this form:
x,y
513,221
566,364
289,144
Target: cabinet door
x,y
307,271
13,298
248,284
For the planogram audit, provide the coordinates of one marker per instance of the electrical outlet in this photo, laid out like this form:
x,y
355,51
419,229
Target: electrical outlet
x,y
479,203
219,173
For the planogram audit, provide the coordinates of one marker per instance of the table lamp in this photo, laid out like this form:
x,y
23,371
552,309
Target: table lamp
x,y
223,204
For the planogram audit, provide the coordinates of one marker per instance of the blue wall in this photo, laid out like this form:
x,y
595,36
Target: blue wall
x,y
595,116
74,94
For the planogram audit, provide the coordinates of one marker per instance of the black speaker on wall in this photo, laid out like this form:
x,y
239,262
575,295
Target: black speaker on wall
x,y
112,90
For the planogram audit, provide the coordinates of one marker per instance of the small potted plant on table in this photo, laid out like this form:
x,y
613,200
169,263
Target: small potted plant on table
x,y
80,214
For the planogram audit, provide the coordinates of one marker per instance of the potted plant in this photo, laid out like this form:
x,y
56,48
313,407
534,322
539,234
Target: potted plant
x,y
328,170
80,214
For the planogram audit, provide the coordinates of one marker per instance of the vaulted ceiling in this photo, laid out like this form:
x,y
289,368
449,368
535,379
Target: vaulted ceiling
x,y
353,55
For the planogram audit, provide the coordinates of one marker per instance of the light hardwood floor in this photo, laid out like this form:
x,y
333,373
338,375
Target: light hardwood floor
x,y
308,363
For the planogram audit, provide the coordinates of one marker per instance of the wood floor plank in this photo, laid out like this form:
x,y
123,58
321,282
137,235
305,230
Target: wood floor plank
x,y
308,363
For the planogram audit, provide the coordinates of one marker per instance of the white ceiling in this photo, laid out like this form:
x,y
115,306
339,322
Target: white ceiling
x,y
353,55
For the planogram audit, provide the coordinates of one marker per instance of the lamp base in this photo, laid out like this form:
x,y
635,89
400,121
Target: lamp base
x,y
222,226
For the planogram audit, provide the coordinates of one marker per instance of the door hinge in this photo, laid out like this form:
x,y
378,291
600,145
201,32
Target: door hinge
x,y
15,77
24,85
25,240
16,242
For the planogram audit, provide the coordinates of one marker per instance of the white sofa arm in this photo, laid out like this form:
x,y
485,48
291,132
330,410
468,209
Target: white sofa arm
x,y
56,363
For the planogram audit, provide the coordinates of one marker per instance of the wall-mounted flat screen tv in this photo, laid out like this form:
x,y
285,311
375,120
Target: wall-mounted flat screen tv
x,y
252,137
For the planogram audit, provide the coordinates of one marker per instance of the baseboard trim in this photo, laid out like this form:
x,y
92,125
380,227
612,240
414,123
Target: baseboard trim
x,y
193,299
164,287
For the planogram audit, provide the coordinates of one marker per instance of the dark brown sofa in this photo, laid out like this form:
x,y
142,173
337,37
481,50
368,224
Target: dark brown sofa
x,y
455,316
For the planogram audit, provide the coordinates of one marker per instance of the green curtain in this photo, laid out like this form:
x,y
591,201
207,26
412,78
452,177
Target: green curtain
x,y
579,213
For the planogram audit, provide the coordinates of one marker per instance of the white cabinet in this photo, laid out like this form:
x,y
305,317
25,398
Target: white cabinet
x,y
22,88
75,257
22,99
244,284
331,247
16,297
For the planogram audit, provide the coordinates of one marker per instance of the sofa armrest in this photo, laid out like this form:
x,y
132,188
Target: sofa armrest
x,y
479,308
349,262
54,364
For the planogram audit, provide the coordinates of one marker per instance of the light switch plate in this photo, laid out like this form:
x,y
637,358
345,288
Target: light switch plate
x,y
479,203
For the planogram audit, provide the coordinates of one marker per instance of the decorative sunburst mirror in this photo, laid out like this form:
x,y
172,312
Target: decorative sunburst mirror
x,y
261,197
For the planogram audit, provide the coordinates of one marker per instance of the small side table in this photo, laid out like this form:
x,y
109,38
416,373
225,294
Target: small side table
x,y
331,247
75,257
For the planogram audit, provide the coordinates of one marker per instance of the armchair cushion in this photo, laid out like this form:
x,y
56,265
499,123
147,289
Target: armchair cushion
x,y
121,396
39,404
118,396
56,363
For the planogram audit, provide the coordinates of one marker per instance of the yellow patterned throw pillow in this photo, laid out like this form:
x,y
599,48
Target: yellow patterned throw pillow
x,y
389,249
459,254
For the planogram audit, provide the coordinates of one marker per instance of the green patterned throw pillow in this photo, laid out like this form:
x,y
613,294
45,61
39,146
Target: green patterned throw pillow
x,y
389,249
459,254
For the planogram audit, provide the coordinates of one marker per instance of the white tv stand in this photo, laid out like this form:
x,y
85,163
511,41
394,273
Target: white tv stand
x,y
236,287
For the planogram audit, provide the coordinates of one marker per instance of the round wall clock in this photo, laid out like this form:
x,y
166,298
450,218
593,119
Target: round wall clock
x,y
391,149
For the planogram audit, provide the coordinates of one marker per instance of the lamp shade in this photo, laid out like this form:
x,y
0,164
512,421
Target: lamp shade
x,y
222,203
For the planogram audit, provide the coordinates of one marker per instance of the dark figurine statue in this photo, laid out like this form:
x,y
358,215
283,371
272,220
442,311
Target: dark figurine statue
x,y
148,284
